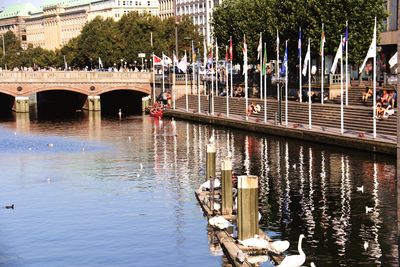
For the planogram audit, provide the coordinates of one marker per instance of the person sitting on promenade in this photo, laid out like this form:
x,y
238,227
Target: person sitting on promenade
x,y
384,98
367,94
380,110
388,112
392,99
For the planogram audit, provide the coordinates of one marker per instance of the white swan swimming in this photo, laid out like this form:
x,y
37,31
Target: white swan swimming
x,y
295,260
219,222
360,189
368,209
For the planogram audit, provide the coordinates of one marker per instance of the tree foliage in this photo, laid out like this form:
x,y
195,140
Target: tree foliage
x,y
238,17
113,42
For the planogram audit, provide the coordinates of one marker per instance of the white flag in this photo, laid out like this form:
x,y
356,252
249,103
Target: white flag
x,y
371,50
244,55
176,62
166,60
100,63
393,60
339,55
205,53
182,65
306,61
259,48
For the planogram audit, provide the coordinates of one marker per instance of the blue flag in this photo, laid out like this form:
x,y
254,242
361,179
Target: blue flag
x,y
299,45
346,36
285,62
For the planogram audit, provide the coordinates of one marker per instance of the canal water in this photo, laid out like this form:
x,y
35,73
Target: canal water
x,y
92,191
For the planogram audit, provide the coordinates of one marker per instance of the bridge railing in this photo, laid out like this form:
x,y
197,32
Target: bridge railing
x,y
70,76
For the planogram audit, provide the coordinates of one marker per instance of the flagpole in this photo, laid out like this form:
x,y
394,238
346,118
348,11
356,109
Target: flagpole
x,y
322,64
231,59
347,75
173,80
154,81
260,54
216,66
341,92
212,82
245,76
309,86
374,81
300,69
162,64
286,85
277,67
227,83
265,87
186,86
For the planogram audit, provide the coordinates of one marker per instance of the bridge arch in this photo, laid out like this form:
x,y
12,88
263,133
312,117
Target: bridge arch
x,y
135,88
40,89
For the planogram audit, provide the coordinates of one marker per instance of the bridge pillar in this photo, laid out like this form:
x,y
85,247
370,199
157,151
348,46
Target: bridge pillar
x,y
93,103
21,104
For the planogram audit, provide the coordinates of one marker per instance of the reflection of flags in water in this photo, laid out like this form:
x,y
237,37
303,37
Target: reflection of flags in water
x,y
306,61
182,65
100,63
339,55
65,64
371,50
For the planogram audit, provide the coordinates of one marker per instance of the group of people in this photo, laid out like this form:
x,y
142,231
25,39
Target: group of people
x,y
385,102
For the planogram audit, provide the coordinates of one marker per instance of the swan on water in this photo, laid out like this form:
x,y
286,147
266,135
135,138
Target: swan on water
x,y
141,166
119,113
366,245
312,264
50,145
295,260
219,222
212,139
360,189
368,209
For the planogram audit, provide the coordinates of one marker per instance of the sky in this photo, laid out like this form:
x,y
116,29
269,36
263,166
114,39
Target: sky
x,y
5,3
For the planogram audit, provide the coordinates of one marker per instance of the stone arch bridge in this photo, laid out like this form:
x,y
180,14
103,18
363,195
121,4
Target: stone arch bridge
x,y
18,86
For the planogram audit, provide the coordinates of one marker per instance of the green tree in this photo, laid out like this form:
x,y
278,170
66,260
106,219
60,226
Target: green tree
x,y
238,17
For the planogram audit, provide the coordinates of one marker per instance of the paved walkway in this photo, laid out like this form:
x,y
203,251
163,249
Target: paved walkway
x,y
330,135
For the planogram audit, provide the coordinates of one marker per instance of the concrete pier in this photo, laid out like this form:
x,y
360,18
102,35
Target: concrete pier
x,y
93,103
21,104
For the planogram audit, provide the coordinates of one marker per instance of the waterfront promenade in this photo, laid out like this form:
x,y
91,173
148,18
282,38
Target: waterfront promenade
x,y
325,121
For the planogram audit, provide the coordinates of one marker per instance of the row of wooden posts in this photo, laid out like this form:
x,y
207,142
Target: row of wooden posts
x,y
247,197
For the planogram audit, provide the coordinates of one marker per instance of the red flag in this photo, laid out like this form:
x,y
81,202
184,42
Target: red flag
x,y
231,49
156,60
226,54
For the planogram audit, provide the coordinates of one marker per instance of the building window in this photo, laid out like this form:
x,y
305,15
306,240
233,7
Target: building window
x,y
148,3
123,3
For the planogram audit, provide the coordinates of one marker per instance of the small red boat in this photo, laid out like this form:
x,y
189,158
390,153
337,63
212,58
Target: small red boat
x,y
156,113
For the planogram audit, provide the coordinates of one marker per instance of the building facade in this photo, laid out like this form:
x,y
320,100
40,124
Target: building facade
x,y
167,8
12,18
390,36
61,20
200,11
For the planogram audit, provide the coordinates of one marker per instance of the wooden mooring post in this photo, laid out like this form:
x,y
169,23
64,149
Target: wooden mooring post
x,y
247,206
226,185
211,161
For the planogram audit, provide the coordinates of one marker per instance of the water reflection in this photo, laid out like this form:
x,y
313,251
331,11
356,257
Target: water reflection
x,y
304,188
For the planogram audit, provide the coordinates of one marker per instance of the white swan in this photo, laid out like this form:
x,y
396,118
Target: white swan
x,y
219,222
141,166
368,209
119,113
206,185
255,241
360,189
295,260
366,245
278,246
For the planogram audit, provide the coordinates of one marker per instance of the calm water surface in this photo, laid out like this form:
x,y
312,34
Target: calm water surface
x,y
120,193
